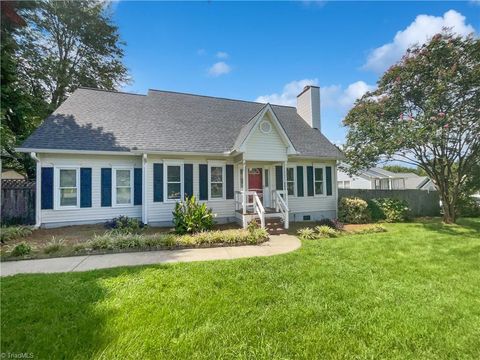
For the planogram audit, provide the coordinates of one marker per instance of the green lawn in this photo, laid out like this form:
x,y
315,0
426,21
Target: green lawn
x,y
413,292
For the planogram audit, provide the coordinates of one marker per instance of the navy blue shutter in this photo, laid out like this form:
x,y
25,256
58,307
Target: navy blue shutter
x,y
328,177
229,181
299,180
85,187
106,186
158,182
279,177
47,187
137,186
203,179
310,180
188,180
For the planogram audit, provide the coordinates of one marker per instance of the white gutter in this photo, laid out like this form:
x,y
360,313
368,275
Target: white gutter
x,y
81,152
38,190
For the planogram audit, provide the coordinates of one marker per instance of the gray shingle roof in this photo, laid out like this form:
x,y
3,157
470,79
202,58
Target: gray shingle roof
x,y
163,121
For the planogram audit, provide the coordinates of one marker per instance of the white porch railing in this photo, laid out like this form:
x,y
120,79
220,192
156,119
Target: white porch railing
x,y
249,200
281,205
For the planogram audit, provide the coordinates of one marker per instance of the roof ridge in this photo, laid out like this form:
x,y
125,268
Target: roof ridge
x,y
110,91
217,97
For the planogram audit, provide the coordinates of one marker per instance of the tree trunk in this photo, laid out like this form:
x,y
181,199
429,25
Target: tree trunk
x,y
449,212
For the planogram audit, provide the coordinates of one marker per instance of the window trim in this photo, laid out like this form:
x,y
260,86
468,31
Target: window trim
x,y
294,181
324,181
166,164
56,185
221,164
114,186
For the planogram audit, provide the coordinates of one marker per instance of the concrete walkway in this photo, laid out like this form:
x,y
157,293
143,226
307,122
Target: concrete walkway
x,y
278,244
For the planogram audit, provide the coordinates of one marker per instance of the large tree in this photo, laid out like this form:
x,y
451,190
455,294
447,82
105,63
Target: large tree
x,y
426,113
68,44
63,45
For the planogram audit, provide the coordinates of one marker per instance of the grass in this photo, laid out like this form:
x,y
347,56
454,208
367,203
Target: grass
x,y
411,292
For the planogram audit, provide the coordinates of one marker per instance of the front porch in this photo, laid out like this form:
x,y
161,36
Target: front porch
x,y
260,195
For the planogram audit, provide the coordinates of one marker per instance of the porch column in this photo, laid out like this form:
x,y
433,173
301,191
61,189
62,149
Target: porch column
x,y
244,195
285,182
144,192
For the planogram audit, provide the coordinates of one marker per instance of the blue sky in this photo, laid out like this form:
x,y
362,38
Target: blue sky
x,y
268,51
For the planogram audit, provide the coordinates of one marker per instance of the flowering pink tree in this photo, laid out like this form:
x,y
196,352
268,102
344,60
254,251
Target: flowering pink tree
x,y
425,112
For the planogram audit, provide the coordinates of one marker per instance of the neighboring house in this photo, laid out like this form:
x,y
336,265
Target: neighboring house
x,y
103,154
12,175
381,179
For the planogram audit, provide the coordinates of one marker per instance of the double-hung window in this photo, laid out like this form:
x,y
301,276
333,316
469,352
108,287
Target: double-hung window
x,y
68,187
174,181
318,179
122,186
291,181
217,178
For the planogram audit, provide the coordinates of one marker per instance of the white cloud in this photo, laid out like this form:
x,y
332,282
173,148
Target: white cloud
x,y
418,32
219,68
222,55
289,94
332,96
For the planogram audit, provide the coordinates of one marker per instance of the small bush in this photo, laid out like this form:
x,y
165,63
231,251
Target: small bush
x,y
53,246
325,231
354,211
8,233
332,223
191,217
391,210
376,210
125,225
307,234
21,249
101,242
253,225
371,230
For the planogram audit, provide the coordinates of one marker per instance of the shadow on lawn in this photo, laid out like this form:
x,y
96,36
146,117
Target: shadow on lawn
x,y
464,226
64,316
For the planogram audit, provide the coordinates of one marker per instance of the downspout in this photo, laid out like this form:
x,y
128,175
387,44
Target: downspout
x,y
144,192
38,187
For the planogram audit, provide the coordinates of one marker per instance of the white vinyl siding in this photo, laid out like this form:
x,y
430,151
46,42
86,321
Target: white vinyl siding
x,y
96,213
265,146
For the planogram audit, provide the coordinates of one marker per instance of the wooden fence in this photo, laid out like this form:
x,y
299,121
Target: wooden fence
x,y
17,202
421,202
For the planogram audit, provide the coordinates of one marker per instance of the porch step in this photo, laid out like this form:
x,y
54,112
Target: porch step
x,y
275,226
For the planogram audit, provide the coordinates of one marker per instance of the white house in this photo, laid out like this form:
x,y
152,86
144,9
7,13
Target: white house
x,y
102,154
381,179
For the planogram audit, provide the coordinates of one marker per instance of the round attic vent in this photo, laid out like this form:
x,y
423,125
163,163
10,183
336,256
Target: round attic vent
x,y
265,127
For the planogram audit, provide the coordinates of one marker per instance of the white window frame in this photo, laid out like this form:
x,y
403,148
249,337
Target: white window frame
x,y
114,186
166,164
324,182
294,181
224,182
345,184
56,184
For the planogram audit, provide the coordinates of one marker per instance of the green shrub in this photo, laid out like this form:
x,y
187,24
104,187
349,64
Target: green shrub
x,y
21,249
469,207
391,210
376,210
53,245
307,234
8,233
191,217
102,242
354,211
125,225
371,230
325,231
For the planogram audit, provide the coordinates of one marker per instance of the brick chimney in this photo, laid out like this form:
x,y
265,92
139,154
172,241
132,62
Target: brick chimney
x,y
308,106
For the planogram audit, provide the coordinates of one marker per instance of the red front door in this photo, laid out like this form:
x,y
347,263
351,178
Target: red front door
x,y
255,182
